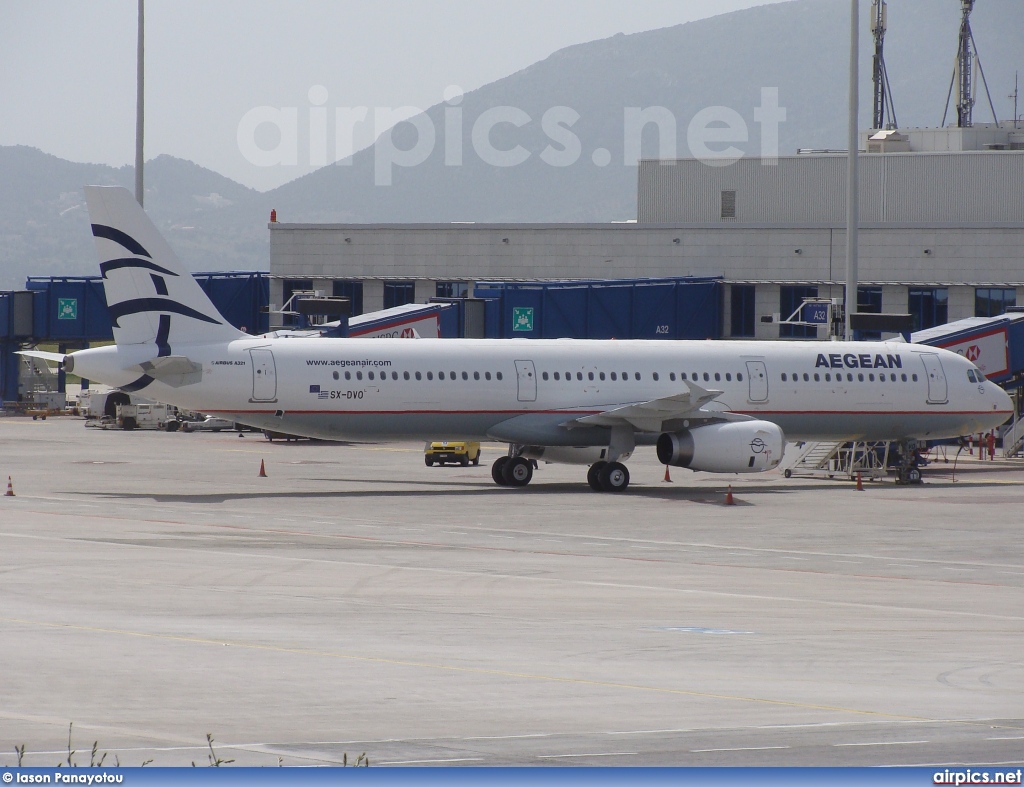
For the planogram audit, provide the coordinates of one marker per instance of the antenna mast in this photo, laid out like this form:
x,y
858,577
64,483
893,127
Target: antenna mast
x,y
883,105
963,73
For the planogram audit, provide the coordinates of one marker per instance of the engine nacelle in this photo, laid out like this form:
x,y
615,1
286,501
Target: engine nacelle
x,y
566,455
731,447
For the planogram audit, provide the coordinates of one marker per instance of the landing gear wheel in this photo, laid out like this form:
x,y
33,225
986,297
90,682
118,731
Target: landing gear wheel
x,y
497,470
614,477
593,476
517,471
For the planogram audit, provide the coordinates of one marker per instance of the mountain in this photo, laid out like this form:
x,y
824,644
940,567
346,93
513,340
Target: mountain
x,y
44,225
799,47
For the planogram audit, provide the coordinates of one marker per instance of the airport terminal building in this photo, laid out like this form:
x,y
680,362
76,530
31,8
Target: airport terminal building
x,y
942,236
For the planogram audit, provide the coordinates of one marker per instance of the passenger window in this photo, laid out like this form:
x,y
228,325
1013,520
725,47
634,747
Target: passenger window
x,y
430,375
903,377
706,376
783,377
739,376
672,376
335,375
465,376
655,376
359,375
348,375
476,375
487,375
614,377
871,378
807,377
913,377
718,377
828,377
544,376
590,375
601,375
419,376
557,377
817,379
849,377
682,375
370,375
440,375
394,375
498,375
860,376
405,375
452,377
637,375
728,377
579,375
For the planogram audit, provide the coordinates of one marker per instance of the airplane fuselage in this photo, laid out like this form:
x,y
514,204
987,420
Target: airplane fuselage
x,y
523,391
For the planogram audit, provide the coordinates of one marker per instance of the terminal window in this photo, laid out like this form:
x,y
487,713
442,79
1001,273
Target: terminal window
x,y
790,299
353,290
993,301
452,289
742,317
929,306
869,301
398,293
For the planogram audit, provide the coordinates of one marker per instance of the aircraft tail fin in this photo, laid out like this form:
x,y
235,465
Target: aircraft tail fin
x,y
152,297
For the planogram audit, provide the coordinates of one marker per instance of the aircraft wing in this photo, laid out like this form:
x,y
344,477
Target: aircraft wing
x,y
650,416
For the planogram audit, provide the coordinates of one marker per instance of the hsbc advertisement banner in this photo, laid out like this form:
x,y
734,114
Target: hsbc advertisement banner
x,y
416,327
987,351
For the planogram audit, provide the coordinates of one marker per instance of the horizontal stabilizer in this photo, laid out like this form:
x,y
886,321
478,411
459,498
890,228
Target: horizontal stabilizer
x,y
173,370
46,356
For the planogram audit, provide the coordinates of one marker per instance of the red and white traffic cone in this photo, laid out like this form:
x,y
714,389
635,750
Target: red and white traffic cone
x,y
10,488
728,497
860,483
667,476
263,470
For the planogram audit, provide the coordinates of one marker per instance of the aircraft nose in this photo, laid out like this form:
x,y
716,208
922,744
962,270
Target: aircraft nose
x,y
1003,400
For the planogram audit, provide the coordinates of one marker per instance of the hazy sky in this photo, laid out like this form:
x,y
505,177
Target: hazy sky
x,y
68,66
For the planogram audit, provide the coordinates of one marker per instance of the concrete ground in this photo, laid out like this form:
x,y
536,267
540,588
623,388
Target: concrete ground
x,y
153,589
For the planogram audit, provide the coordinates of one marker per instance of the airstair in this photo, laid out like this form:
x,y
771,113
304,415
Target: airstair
x,y
830,459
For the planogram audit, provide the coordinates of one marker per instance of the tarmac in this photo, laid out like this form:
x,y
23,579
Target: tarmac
x,y
154,589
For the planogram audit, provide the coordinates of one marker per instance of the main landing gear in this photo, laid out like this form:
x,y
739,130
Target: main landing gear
x,y
608,477
518,471
908,470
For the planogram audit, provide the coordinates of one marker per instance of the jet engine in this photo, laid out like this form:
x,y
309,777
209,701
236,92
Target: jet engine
x,y
730,447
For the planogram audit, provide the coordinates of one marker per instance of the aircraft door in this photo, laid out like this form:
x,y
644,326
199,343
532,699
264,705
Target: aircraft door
x,y
757,377
264,376
527,377
937,389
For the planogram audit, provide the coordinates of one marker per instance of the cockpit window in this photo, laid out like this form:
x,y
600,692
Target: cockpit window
x,y
975,376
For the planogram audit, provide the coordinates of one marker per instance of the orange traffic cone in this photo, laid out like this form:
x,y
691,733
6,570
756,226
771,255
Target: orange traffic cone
x,y
10,488
667,476
860,483
263,470
728,497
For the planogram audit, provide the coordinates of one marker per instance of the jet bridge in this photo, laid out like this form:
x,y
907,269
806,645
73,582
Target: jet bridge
x,y
996,346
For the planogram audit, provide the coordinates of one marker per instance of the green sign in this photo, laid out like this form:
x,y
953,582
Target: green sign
x,y
522,318
67,308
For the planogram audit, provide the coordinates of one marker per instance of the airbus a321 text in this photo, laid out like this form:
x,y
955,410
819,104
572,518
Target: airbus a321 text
x,y
719,406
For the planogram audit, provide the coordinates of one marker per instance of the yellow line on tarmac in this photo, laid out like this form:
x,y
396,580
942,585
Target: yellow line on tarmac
x,y
470,670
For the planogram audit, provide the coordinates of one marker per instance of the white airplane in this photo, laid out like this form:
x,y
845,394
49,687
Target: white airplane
x,y
719,406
